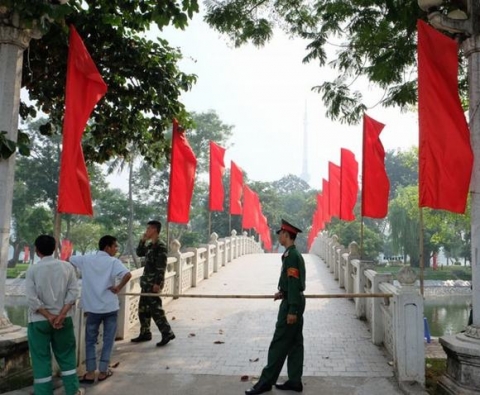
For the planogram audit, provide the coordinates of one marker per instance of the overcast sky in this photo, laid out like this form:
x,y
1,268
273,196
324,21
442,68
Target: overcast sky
x,y
263,93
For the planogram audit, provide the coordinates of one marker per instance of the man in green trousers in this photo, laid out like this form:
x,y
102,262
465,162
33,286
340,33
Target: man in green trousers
x,y
287,340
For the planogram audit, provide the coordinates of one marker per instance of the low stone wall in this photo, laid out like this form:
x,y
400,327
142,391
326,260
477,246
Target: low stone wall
x,y
395,322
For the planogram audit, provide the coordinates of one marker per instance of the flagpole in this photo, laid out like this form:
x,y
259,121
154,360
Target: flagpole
x,y
168,236
57,230
209,224
361,238
421,251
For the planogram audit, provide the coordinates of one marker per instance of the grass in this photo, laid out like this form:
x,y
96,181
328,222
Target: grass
x,y
14,272
443,273
434,369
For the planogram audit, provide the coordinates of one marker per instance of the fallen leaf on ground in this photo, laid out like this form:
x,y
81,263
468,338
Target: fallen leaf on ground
x,y
191,335
218,342
244,378
253,360
173,318
115,365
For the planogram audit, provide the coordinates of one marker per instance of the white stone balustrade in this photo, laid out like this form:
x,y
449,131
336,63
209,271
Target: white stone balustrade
x,y
396,322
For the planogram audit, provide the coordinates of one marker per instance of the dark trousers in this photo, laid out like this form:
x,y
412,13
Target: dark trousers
x,y
150,307
287,342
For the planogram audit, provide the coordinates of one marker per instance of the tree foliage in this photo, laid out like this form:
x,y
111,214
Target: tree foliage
x,y
371,39
143,77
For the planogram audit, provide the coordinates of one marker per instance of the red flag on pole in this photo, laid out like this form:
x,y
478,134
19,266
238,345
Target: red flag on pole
x,y
249,215
326,200
182,177
236,188
334,189
445,154
348,184
375,183
217,169
84,88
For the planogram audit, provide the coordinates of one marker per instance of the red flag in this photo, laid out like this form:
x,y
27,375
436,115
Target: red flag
x,y
182,177
334,190
326,200
66,249
217,169
375,184
236,188
249,217
348,184
85,87
445,154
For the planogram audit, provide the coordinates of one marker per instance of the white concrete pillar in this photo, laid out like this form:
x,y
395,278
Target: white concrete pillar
x,y
13,41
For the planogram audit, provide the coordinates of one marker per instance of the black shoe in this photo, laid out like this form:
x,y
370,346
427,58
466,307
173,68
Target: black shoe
x,y
289,386
143,337
165,339
259,388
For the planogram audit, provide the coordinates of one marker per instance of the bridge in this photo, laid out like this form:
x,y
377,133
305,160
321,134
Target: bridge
x,y
221,344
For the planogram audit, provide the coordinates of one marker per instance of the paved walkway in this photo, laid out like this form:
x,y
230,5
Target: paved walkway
x,y
220,340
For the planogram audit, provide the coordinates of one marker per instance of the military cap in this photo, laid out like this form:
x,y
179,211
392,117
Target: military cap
x,y
288,227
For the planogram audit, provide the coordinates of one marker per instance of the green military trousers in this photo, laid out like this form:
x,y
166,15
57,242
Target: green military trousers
x,y
42,340
287,342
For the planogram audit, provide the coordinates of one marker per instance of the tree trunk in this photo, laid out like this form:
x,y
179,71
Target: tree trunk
x,y
130,248
17,248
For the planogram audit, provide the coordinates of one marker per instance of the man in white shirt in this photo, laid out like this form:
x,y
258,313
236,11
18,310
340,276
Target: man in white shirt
x,y
51,288
103,276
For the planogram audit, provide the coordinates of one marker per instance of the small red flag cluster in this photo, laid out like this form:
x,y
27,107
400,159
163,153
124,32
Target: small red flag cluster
x,y
445,153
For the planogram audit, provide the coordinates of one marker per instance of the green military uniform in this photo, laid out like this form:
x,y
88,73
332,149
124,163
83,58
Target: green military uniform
x,y
288,338
150,307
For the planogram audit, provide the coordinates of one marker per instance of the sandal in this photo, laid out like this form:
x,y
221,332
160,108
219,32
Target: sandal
x,y
84,380
107,374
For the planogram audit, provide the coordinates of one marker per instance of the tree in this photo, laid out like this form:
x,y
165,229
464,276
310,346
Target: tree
x,y
85,236
348,232
143,77
372,39
402,168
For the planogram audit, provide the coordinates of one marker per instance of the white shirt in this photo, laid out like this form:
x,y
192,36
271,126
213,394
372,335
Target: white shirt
x,y
99,272
50,284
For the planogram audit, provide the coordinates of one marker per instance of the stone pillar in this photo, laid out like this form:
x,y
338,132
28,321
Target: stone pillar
x,y
408,330
13,41
175,253
378,328
14,358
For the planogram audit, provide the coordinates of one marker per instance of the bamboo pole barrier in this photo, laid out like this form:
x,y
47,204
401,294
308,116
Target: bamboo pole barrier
x,y
324,296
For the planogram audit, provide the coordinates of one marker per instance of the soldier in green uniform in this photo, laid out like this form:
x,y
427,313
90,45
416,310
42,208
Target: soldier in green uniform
x,y
152,281
287,340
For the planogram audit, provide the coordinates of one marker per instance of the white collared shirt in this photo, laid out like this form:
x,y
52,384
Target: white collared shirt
x,y
50,284
99,271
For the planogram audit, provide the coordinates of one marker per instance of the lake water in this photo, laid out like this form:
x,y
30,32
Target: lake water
x,y
447,315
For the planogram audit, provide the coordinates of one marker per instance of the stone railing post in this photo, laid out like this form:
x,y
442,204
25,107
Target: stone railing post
x,y
408,329
339,251
195,263
216,258
377,326
333,247
178,265
234,244
353,253
343,269
359,287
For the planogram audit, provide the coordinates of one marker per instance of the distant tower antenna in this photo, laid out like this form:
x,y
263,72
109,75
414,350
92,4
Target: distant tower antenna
x,y
305,176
